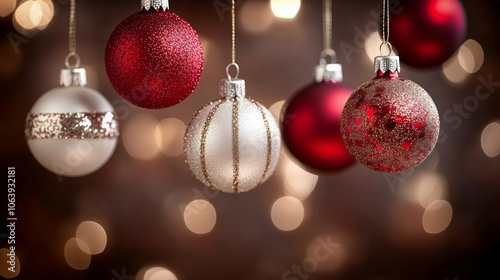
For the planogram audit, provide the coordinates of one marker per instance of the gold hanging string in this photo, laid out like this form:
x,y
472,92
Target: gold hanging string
x,y
327,25
72,28
385,21
233,44
385,27
72,36
327,34
233,33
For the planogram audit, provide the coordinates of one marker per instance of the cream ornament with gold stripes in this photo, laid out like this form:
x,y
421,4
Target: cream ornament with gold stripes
x,y
232,144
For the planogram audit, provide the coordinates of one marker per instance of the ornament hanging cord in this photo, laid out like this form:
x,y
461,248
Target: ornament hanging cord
x,y
385,27
327,34
233,44
72,37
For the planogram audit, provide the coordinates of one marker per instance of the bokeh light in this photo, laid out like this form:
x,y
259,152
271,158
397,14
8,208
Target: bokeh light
x,y
490,139
146,272
163,274
29,14
7,7
255,16
453,71
287,213
437,216
5,264
75,256
170,136
296,181
285,8
424,188
139,137
275,109
372,45
155,273
47,13
33,14
91,236
471,56
200,216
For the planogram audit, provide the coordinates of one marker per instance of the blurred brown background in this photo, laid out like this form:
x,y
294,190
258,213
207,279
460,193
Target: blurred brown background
x,y
381,224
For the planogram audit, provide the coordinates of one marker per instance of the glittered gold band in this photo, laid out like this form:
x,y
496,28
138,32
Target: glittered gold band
x,y
71,126
236,145
204,140
269,140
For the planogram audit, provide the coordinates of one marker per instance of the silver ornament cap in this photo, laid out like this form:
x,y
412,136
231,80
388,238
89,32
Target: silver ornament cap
x,y
328,73
231,88
154,4
387,63
73,77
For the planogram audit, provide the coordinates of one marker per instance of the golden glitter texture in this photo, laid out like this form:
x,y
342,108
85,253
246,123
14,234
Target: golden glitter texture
x,y
269,140
204,140
236,149
72,126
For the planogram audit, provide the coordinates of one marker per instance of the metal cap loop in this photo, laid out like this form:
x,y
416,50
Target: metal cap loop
x,y
237,71
328,53
389,46
77,63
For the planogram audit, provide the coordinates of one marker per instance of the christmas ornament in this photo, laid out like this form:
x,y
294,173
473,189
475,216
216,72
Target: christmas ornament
x,y
310,121
390,124
72,130
154,58
232,144
427,32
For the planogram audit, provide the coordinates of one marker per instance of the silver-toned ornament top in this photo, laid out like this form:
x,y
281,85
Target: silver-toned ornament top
x,y
387,62
73,77
328,73
155,4
231,88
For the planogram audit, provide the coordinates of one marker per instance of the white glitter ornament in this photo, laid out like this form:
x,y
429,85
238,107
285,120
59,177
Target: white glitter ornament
x,y
72,130
232,144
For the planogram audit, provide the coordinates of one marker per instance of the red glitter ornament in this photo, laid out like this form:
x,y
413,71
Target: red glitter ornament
x,y
390,124
427,32
154,58
311,124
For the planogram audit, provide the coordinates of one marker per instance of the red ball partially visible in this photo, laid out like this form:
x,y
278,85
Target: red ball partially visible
x,y
311,126
426,33
154,59
390,124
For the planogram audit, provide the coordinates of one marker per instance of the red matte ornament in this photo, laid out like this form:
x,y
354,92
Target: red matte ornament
x,y
390,124
311,126
426,33
154,59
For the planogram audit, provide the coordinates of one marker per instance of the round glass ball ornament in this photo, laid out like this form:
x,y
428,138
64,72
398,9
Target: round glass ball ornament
x,y
72,130
310,121
232,144
426,33
390,124
154,58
